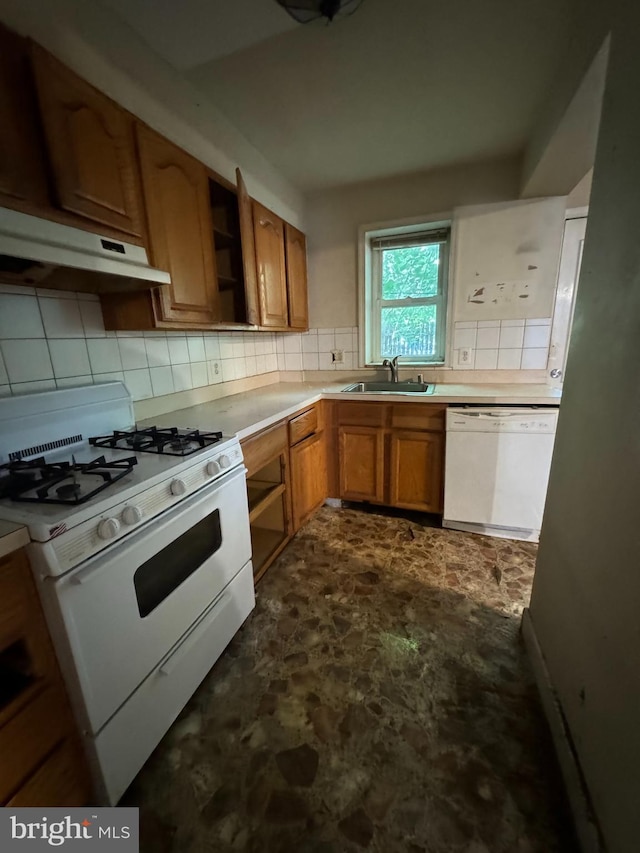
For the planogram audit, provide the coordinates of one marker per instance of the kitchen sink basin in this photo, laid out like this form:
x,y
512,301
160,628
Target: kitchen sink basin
x,y
389,388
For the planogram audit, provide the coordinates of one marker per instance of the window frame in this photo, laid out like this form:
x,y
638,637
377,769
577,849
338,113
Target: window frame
x,y
371,302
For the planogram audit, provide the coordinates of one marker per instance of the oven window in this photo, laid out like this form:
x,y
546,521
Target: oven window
x,y
156,579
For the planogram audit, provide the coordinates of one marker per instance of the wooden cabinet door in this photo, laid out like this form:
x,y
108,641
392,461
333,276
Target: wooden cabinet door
x,y
248,242
61,781
271,265
361,459
23,181
176,193
296,254
91,147
308,477
415,477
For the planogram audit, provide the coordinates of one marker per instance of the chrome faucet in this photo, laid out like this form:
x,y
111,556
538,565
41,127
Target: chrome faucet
x,y
393,367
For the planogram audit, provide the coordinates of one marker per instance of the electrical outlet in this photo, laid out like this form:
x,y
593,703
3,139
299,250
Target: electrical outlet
x,y
216,368
337,356
465,356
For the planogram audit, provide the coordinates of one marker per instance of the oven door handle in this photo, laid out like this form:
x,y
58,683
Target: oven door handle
x,y
195,634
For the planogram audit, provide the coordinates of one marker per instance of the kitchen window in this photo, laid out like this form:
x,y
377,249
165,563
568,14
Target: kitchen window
x,y
406,295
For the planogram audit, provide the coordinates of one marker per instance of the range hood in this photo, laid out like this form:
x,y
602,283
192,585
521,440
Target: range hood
x,y
34,250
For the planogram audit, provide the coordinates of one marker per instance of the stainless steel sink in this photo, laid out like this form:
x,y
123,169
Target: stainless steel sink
x,y
389,388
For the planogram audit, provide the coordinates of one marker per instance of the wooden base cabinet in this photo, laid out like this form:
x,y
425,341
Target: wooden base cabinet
x,y
308,455
361,461
416,470
266,458
41,762
391,454
308,477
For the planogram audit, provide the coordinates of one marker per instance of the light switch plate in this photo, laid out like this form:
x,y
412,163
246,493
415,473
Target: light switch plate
x,y
337,356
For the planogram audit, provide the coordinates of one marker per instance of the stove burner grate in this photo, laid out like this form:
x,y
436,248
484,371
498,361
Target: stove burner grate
x,y
170,441
38,481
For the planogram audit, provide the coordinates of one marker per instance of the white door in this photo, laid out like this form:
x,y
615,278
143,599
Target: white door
x,y
568,275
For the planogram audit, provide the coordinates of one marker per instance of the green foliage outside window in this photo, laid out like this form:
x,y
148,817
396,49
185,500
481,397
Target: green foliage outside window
x,y
409,273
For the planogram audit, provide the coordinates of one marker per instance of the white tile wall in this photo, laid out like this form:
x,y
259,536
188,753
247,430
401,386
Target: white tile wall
x,y
52,339
503,344
315,349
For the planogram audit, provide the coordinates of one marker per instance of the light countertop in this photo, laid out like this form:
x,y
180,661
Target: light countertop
x,y
12,537
249,412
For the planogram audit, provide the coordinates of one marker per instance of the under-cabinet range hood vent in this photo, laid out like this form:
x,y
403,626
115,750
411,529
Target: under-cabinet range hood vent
x,y
34,250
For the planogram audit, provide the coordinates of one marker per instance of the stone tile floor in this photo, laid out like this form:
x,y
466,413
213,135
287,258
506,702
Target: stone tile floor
x,y
378,698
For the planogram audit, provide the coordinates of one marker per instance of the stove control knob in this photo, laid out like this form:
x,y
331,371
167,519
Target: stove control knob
x,y
213,468
224,461
178,487
108,528
132,514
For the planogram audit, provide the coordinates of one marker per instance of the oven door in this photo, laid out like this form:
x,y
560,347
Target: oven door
x,y
125,608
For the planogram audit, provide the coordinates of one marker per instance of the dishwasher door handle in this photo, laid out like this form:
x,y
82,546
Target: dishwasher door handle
x,y
486,414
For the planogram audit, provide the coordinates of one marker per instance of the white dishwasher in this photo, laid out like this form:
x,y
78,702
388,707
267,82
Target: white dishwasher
x,y
497,470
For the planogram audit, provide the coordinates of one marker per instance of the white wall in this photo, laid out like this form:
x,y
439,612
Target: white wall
x,y
581,193
333,218
578,55
570,150
109,54
586,593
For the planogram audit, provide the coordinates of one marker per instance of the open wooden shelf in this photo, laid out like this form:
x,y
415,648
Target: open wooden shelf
x,y
227,282
223,238
262,495
265,543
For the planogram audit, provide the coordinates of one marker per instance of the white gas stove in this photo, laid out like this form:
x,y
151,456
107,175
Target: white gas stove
x,y
142,554
39,436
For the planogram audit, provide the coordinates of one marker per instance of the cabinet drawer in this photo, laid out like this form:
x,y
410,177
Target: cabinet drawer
x,y
303,425
261,448
362,414
29,736
61,781
429,416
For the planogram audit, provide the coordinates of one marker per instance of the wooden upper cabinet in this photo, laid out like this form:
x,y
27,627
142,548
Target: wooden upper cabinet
x,y
296,255
23,179
248,244
271,265
176,193
91,147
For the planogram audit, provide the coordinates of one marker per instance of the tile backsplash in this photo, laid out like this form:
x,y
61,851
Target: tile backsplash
x,y
314,350
53,339
501,344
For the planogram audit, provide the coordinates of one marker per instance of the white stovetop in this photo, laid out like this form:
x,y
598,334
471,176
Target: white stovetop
x,y
150,469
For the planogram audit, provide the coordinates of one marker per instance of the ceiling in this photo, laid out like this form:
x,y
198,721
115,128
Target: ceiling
x,y
397,87
192,32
